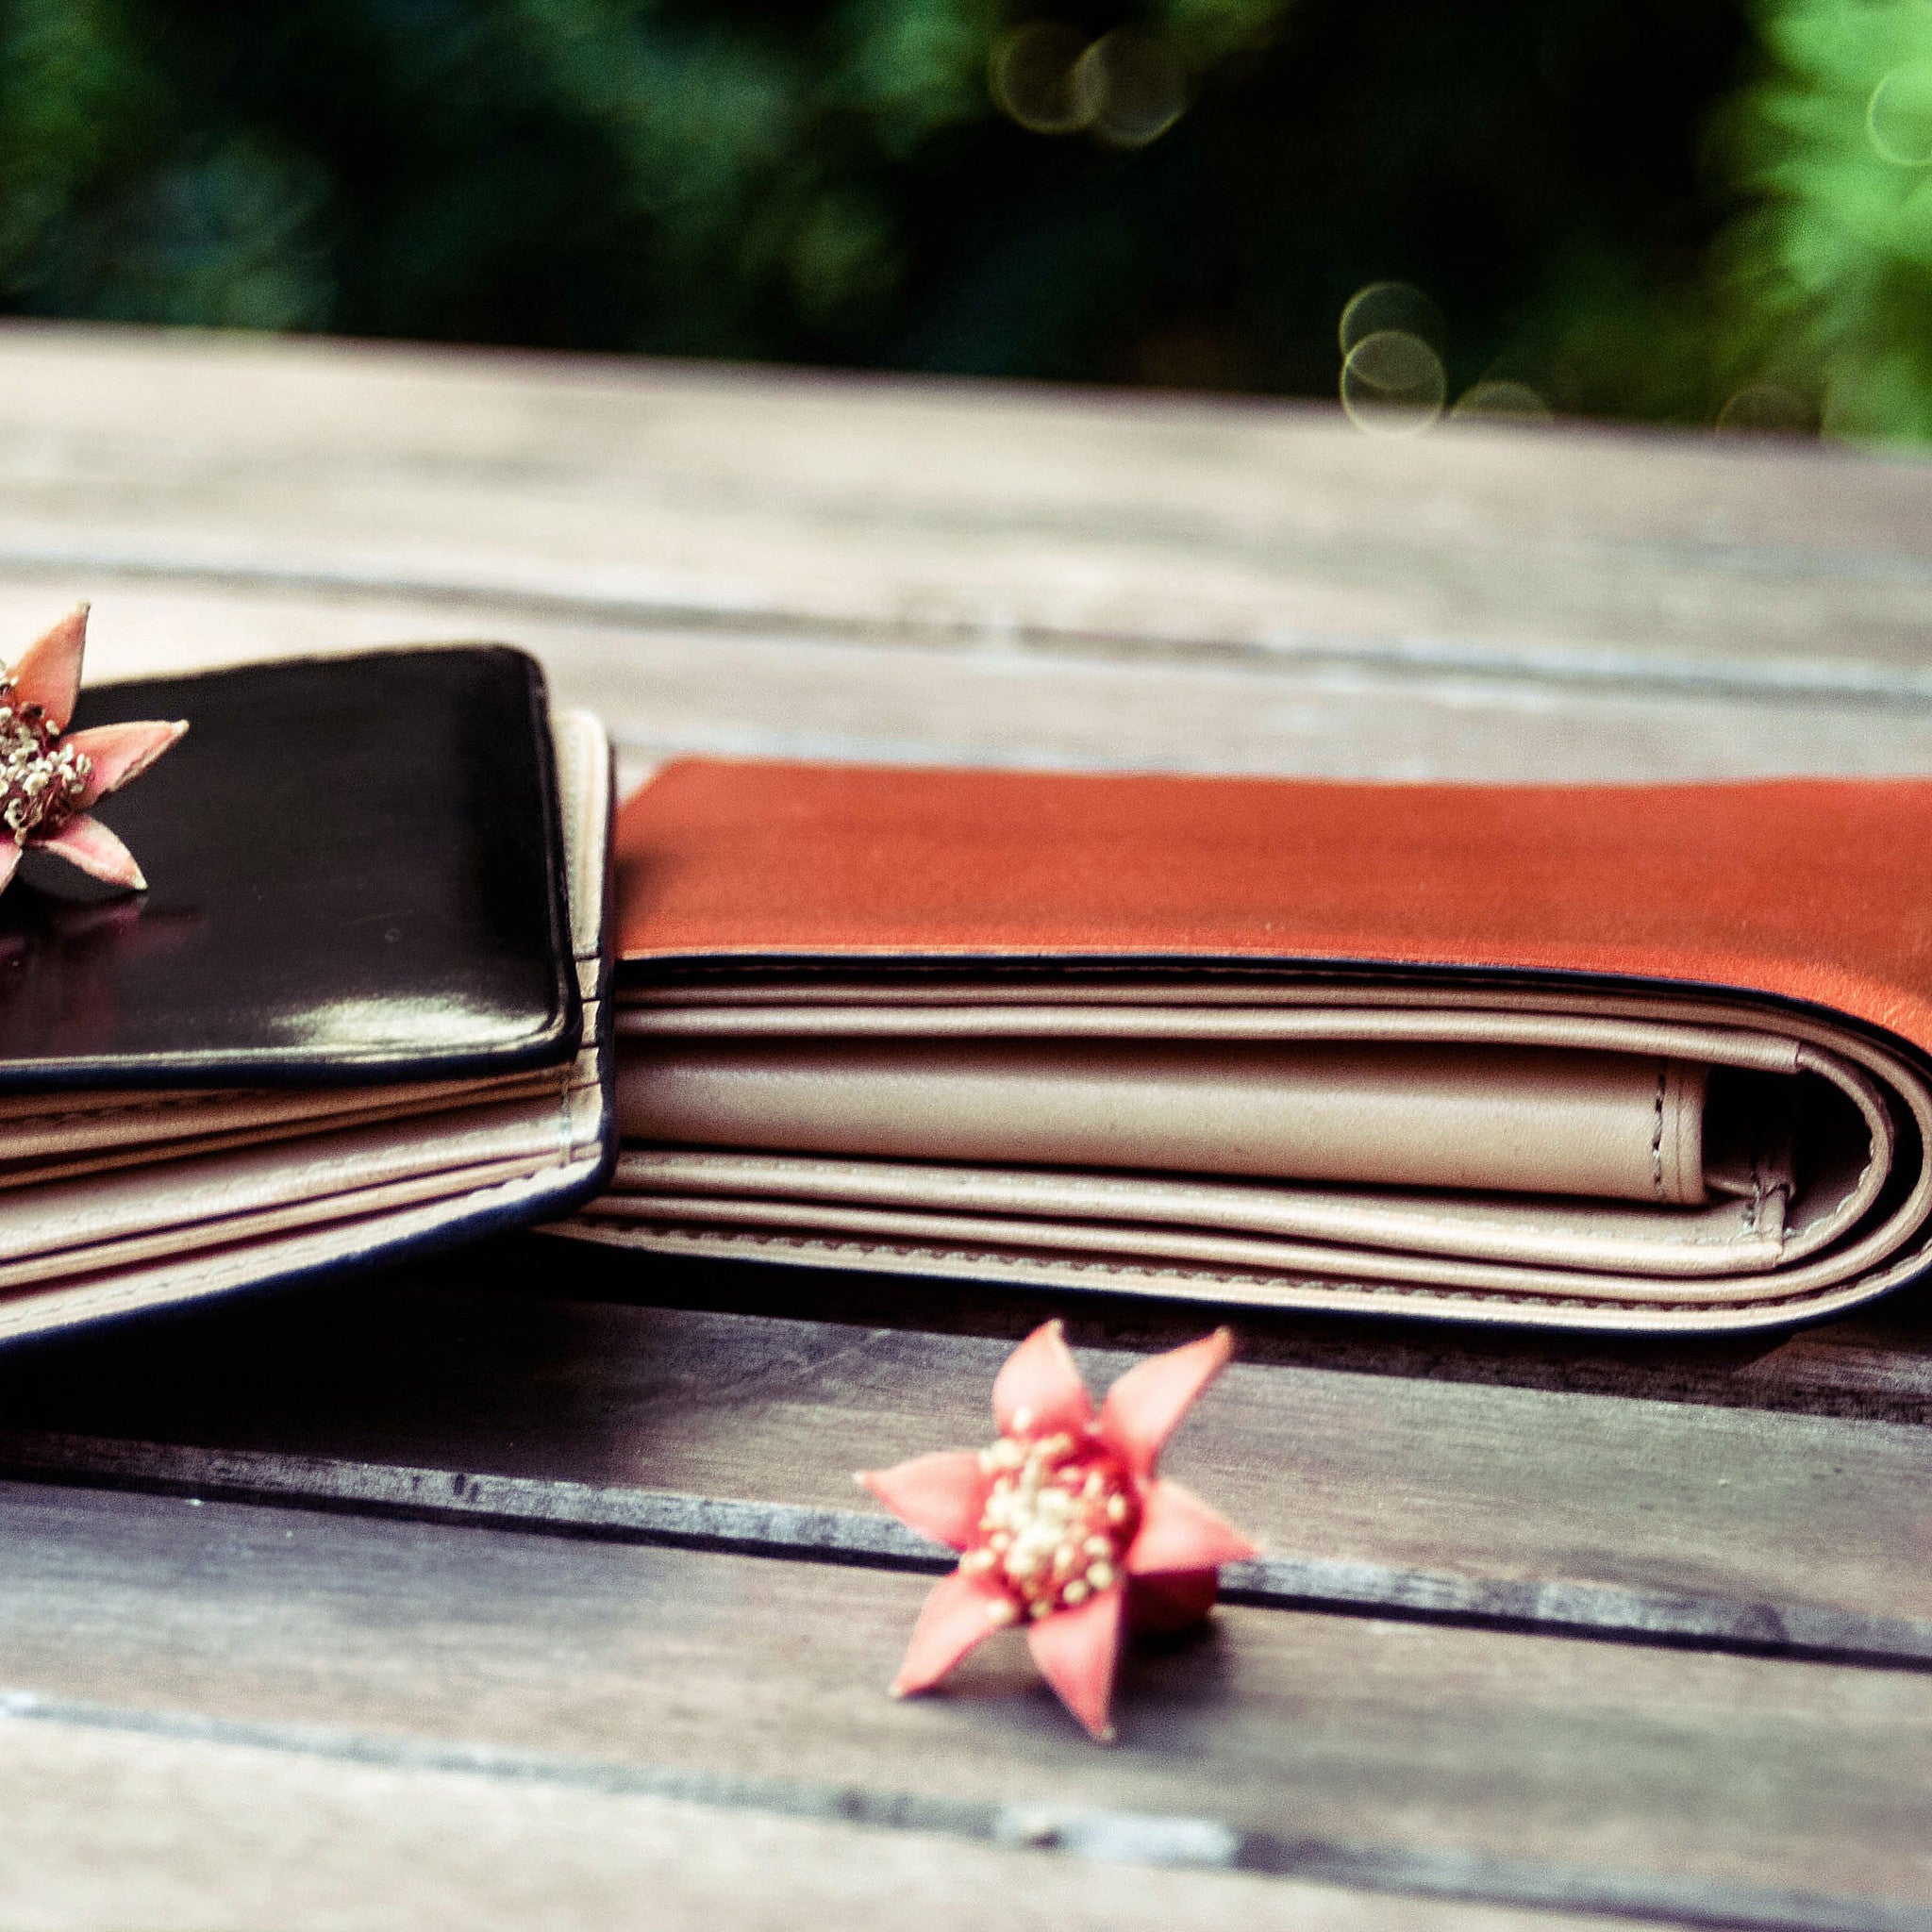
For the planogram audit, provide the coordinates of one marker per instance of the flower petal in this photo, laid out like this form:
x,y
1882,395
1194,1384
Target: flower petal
x,y
48,674
1145,1406
942,1495
121,752
957,1616
88,843
1040,1391
1178,1531
1078,1652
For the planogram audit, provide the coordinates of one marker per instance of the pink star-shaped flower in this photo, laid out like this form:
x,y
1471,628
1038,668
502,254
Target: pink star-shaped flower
x,y
48,781
1063,1524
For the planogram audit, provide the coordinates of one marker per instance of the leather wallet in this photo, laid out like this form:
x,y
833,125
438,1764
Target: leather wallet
x,y
358,1010
1617,1058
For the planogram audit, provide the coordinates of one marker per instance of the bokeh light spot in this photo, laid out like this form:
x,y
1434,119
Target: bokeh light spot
x,y
1502,401
1392,383
1768,409
1898,117
1133,88
1390,305
1031,75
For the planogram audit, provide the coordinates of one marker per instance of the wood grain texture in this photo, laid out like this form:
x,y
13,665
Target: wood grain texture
x,y
742,562
823,1533
665,690
1005,513
368,1808
1455,1493
746,563
1374,1741
108,1829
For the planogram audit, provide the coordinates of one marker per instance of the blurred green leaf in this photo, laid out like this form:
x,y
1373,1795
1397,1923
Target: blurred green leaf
x,y
1634,207
1826,276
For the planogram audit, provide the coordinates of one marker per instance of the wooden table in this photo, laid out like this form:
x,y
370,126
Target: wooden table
x,y
528,1587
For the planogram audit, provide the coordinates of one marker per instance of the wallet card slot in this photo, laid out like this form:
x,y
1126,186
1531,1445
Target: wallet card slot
x,y
714,1018
1819,1186
76,1214
370,1223
1167,1246
1754,1304
1520,1120
226,1231
159,1125
1725,1236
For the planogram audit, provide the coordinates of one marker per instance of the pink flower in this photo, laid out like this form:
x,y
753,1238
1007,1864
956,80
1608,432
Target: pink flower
x,y
48,781
1063,1524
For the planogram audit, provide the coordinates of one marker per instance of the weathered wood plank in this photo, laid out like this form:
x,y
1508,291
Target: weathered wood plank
x,y
994,512
1722,1524
1372,1748
663,691
224,498
735,562
825,1534
205,1813
109,1828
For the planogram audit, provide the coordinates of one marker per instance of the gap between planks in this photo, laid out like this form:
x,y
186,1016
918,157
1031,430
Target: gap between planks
x,y
1159,1841
1282,651
113,1827
726,693
1418,1462
1460,1748
999,509
1799,1633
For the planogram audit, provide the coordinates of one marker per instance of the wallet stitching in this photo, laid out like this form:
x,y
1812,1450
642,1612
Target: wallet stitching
x,y
1103,1190
136,1111
1109,1269
731,1231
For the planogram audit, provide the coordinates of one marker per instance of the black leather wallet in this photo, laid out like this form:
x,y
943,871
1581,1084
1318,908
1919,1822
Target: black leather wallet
x,y
357,1009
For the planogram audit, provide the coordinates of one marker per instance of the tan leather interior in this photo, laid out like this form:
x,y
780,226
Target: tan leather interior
x,y
1518,1151
1529,1120
129,1200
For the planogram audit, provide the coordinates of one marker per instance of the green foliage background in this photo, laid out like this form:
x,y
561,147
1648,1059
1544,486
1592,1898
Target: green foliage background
x,y
1636,206
1827,271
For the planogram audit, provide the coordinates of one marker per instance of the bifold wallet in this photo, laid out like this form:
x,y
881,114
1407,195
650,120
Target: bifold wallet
x,y
355,1011
1620,1057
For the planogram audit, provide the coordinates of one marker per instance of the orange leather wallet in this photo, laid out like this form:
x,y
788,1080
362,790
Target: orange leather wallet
x,y
1638,1058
